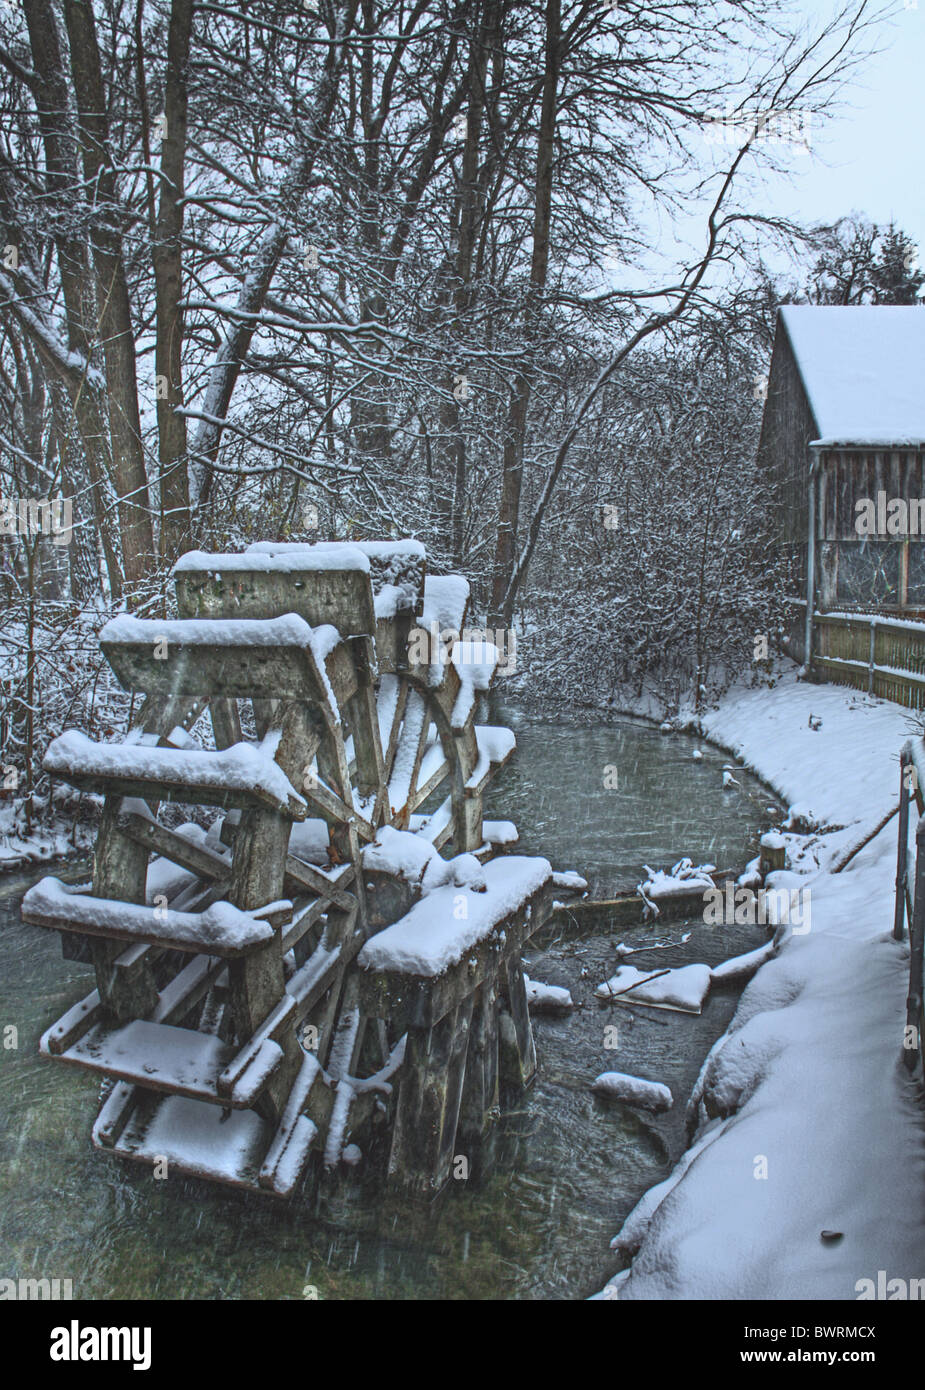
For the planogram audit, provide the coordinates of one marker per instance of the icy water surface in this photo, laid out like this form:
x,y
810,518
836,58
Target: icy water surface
x,y
566,1167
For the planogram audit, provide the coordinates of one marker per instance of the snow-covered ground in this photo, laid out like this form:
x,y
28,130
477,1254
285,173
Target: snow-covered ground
x,y
59,840
806,1121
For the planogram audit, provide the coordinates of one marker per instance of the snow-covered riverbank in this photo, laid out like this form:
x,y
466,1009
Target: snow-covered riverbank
x,y
46,844
806,1121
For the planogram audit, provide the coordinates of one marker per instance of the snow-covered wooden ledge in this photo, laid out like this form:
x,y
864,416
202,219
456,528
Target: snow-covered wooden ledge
x,y
440,972
240,776
220,930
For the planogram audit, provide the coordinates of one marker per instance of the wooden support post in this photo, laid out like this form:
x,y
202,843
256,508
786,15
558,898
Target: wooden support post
x,y
472,822
429,1095
912,1043
902,850
257,982
480,1088
364,719
120,868
337,930
516,1048
265,716
226,725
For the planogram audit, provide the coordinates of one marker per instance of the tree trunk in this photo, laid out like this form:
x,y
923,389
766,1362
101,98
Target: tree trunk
x,y
516,424
60,148
229,358
470,200
114,325
168,277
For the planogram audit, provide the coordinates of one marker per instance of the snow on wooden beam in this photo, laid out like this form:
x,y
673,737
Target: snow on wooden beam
x,y
242,776
221,930
237,658
424,965
320,584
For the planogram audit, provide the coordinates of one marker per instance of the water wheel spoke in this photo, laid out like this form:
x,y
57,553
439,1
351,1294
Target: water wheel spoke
x,y
394,698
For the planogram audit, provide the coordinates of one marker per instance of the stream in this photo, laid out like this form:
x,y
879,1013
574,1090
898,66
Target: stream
x,y
565,1166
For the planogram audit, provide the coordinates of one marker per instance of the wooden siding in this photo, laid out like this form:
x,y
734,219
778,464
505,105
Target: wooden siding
x,y
787,427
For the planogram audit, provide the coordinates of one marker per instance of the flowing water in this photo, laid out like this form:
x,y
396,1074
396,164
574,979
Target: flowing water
x,y
565,1167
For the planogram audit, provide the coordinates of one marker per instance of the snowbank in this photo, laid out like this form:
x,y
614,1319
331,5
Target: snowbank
x,y
804,1118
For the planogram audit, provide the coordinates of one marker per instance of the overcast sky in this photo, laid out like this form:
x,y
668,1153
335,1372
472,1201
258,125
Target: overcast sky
x,y
869,157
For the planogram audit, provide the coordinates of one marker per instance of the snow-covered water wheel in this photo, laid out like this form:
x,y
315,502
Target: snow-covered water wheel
x,y
265,985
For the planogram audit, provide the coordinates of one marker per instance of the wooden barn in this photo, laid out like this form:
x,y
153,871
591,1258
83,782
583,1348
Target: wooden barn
x,y
844,432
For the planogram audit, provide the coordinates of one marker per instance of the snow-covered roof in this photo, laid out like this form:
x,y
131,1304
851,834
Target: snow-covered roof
x,y
863,369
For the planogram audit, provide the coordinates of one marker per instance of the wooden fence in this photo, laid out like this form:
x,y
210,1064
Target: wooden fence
x,y
884,656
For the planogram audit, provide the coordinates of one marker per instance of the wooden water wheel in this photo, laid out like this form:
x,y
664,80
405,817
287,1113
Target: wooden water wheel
x,y
332,940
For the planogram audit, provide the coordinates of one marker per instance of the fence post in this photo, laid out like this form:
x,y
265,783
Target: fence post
x,y
912,1043
870,657
902,849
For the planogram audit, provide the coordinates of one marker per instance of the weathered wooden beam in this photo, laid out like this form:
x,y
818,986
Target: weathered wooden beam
x,y
171,664
114,1114
516,1047
419,1001
307,876
480,1088
257,984
79,1019
226,723
341,597
158,839
364,719
120,867
429,1094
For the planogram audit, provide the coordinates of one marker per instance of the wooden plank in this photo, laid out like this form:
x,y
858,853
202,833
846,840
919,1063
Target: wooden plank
x,y
78,1020
364,721
226,723
200,778
398,715
114,1115
274,1027
158,1057
120,867
419,1001
307,876
176,658
516,1048
341,597
429,1093
196,1139
257,984
187,987
480,1088
335,810
152,926
180,850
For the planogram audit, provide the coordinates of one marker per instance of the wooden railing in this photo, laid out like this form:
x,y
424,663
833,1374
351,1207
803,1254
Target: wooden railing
x,y
884,656
910,895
